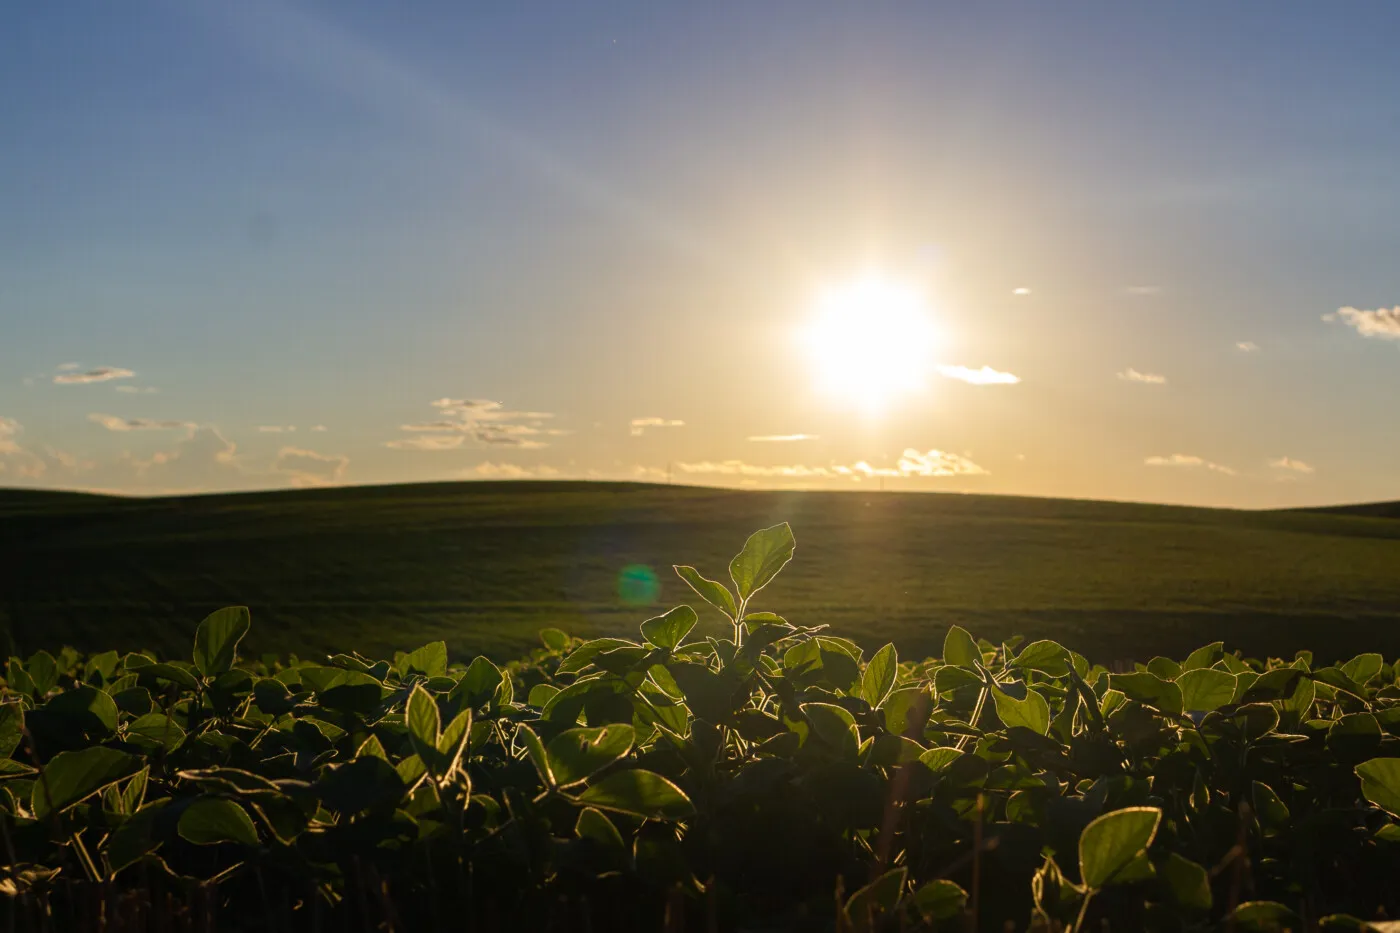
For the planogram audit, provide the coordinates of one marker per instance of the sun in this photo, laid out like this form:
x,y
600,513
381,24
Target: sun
x,y
870,340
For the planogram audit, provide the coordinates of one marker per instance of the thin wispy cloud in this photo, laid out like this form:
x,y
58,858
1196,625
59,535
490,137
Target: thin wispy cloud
x,y
490,470
1288,463
1381,324
486,422
913,463
114,423
137,390
782,438
319,428
986,376
1247,346
1020,292
1132,375
309,468
640,425
276,428
1188,461
1143,291
428,442
100,374
69,367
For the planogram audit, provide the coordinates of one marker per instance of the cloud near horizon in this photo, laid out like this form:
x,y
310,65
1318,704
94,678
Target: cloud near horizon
x,y
1188,461
114,423
782,438
640,425
1247,346
1132,375
276,428
1288,463
511,471
484,421
100,374
309,468
912,463
1382,323
986,376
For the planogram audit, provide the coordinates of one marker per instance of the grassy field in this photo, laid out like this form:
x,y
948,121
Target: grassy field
x,y
484,565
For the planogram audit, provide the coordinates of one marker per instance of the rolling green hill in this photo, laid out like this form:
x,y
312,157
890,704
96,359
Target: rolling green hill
x,y
484,565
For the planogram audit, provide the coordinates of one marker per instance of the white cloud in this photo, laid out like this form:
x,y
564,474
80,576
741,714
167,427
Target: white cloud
x,y
1188,461
1132,375
513,471
113,423
1382,323
69,367
138,390
1020,292
986,376
309,468
782,438
1143,291
319,428
912,463
100,374
1247,346
428,442
277,428
486,422
1288,463
640,425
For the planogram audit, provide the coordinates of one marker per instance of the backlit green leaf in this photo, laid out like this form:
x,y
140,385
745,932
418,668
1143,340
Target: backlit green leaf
x,y
640,793
1110,844
764,554
211,820
716,594
216,640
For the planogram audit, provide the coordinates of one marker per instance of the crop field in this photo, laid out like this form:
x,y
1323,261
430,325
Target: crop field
x,y
483,566
777,777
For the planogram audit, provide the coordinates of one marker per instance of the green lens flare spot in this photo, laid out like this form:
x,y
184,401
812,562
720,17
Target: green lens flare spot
x,y
637,585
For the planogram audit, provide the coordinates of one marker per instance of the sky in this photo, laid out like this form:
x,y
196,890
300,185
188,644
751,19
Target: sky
x,y
1125,251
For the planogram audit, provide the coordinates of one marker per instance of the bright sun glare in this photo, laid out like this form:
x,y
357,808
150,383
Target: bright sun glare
x,y
870,340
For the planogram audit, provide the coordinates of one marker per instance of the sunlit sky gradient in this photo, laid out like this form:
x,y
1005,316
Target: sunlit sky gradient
x,y
271,243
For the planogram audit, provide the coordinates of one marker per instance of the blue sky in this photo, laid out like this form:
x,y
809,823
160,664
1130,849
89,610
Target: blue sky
x,y
327,216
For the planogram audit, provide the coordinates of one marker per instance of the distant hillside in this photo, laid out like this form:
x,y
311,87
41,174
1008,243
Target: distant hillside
x,y
484,565
1365,509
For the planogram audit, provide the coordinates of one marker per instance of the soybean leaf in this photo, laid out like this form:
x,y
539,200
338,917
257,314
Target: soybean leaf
x,y
640,793
478,685
1204,656
940,758
534,748
11,728
136,835
1048,657
1111,843
1363,667
716,594
835,725
669,630
1188,882
575,755
764,554
877,897
211,820
157,729
1204,689
1264,917
423,722
216,640
594,824
367,782
959,649
429,660
879,676
1380,783
1149,689
85,708
940,899
72,777
1033,712
554,639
